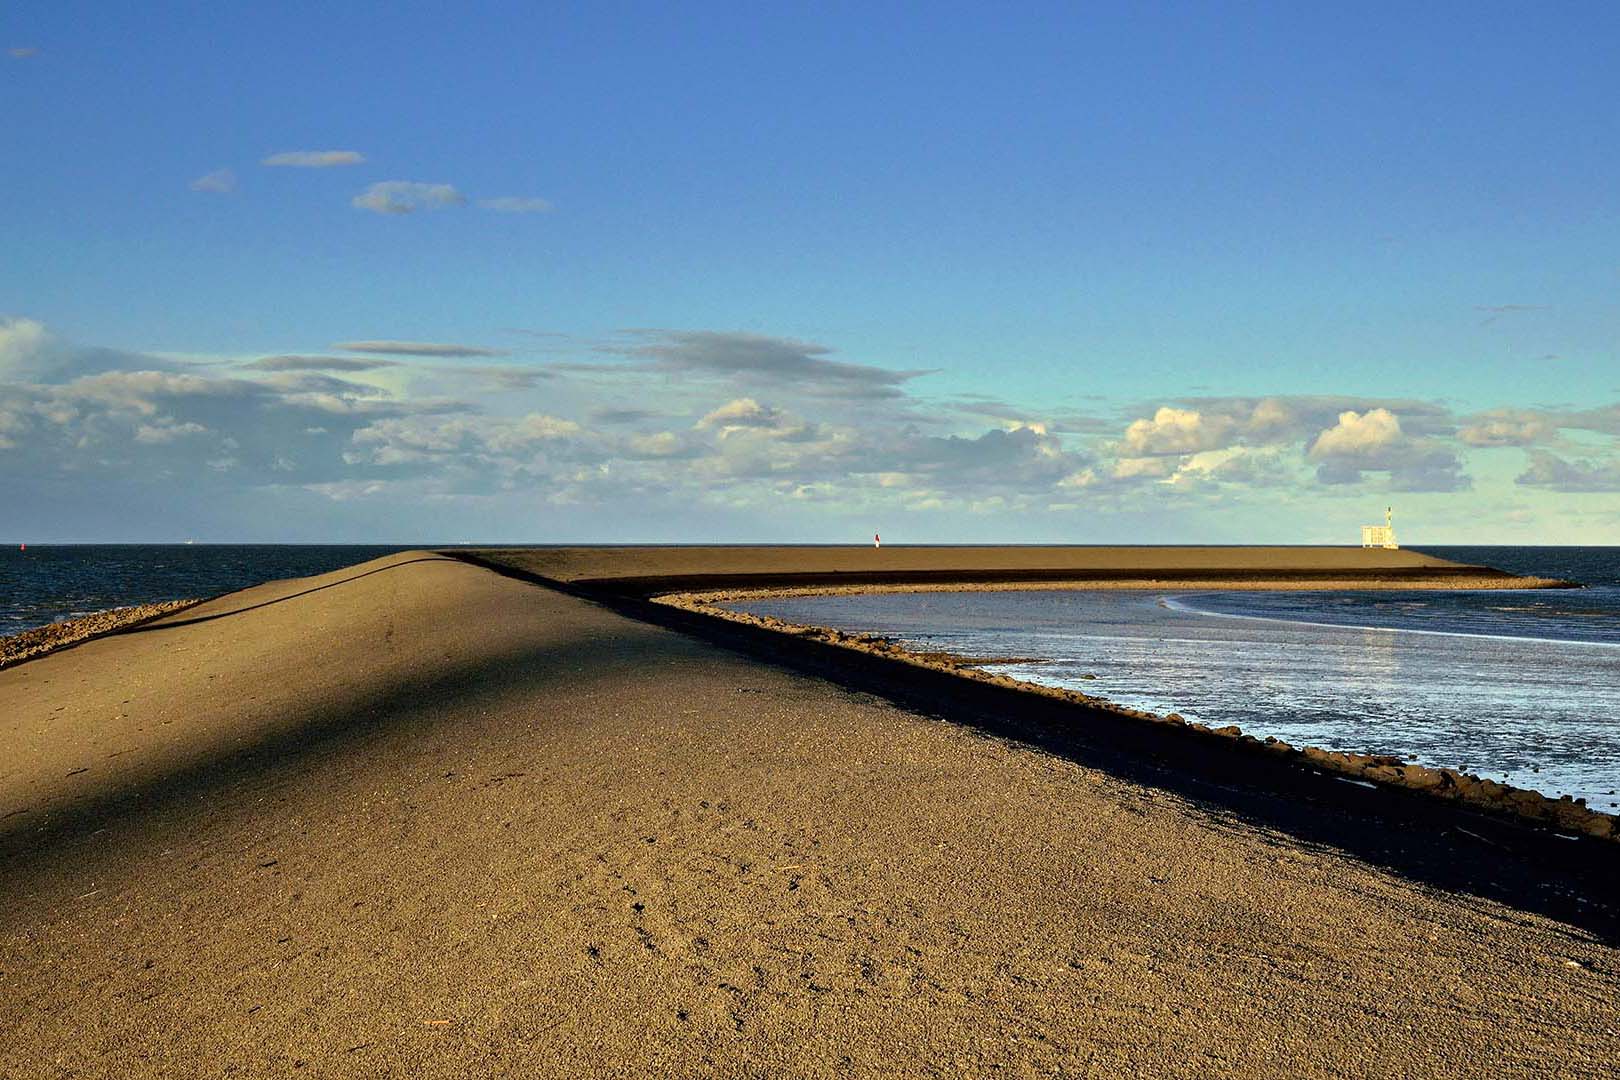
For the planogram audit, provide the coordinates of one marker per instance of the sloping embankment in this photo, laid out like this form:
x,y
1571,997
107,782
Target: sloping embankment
x,y
650,569
696,579
1468,789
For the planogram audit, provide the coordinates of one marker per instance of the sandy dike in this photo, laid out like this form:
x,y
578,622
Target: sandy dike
x,y
648,569
1566,814
415,818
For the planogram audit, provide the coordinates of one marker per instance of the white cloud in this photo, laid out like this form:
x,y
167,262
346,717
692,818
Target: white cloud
x,y
315,159
1176,431
743,413
20,341
219,181
535,427
1154,468
1374,441
663,444
407,197
707,425
30,353
516,204
1358,434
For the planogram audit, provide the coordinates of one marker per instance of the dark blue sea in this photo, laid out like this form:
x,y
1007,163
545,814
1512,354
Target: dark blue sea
x,y
1517,685
49,583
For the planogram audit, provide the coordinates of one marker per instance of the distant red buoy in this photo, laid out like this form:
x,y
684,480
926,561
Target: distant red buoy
x,y
24,547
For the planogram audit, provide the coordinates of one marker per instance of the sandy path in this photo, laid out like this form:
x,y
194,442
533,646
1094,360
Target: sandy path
x,y
432,821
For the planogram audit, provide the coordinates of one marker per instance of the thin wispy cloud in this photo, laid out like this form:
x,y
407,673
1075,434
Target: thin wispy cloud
x,y
760,357
623,416
219,181
515,204
407,197
315,159
501,377
318,363
417,348
1497,311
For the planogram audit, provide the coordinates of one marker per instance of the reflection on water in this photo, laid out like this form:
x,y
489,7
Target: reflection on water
x,y
1531,710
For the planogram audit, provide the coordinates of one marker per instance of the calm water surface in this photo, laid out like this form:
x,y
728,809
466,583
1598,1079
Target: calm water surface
x,y
1517,685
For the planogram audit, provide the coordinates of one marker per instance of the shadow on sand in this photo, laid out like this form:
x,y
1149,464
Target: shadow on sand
x,y
1428,842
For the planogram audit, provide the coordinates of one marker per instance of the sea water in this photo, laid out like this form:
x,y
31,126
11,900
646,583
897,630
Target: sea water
x,y
49,583
1516,685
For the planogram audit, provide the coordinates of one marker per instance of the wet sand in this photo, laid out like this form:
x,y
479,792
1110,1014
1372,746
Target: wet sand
x,y
415,818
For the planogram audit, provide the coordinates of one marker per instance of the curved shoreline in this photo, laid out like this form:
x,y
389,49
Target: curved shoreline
x,y
1175,603
1562,814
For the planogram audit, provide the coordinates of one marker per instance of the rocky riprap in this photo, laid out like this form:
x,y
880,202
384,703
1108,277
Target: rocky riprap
x,y
52,636
1563,814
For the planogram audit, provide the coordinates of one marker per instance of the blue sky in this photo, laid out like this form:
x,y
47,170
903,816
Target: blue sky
x,y
1065,272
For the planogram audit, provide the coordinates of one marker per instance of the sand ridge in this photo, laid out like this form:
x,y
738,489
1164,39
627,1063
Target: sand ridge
x,y
1561,814
415,818
808,569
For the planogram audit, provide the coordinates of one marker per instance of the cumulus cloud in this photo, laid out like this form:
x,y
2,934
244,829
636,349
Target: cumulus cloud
x,y
30,353
1508,427
315,159
407,197
21,341
155,426
706,424
476,446
1373,441
317,363
1515,426
760,358
661,444
1554,473
219,182
1358,435
535,427
744,413
417,348
1177,431
1017,460
516,204
1199,442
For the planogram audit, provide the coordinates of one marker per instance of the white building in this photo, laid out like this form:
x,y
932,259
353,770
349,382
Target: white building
x,y
1380,536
